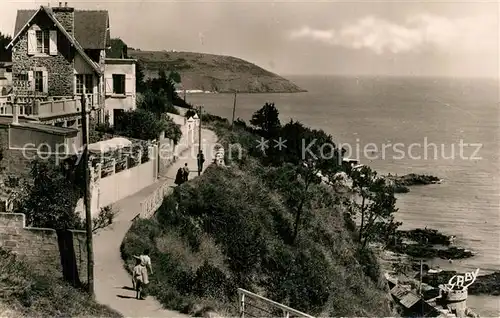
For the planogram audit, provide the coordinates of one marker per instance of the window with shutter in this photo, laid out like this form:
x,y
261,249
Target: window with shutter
x,y
31,81
108,84
39,81
31,42
53,42
84,83
119,84
129,84
79,83
42,42
89,84
45,82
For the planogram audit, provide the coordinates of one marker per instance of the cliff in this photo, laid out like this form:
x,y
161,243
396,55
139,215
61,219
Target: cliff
x,y
233,227
217,73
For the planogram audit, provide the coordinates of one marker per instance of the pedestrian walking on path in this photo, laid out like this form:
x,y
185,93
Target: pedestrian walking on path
x,y
140,276
146,261
109,272
201,159
179,177
185,172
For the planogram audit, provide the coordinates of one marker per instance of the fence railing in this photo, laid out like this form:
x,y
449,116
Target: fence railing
x,y
154,201
43,106
243,295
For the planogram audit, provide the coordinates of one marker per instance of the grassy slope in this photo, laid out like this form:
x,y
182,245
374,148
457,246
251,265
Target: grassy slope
x,y
211,72
230,230
26,294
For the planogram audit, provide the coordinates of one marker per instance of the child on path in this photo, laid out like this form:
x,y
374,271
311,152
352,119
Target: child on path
x,y
140,277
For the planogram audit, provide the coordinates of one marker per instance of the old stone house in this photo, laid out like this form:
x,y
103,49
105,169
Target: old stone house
x,y
59,64
60,53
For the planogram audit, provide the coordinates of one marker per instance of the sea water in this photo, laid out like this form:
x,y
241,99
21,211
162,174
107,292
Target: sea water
x,y
402,119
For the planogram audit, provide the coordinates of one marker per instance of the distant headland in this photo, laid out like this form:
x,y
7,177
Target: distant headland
x,y
201,72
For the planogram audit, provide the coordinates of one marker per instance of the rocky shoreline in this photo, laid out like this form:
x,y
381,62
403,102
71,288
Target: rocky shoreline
x,y
427,244
487,284
401,184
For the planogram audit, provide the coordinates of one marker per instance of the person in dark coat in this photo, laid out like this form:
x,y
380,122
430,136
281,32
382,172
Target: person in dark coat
x,y
201,159
179,177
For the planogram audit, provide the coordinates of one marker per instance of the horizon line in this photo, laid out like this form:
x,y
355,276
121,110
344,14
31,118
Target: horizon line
x,y
391,75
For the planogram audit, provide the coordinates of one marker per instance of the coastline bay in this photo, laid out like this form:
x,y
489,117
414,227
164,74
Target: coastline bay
x,y
421,111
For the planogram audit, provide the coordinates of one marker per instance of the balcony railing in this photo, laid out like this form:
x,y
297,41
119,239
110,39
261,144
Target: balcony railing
x,y
43,108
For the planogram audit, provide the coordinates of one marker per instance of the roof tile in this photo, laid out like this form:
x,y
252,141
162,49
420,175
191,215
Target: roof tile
x,y
91,27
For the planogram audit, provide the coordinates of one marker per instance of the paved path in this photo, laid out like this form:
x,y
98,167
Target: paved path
x,y
110,277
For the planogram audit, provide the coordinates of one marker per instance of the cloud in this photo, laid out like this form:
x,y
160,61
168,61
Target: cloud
x,y
416,33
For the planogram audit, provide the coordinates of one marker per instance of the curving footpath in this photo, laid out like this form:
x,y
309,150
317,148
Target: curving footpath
x,y
112,283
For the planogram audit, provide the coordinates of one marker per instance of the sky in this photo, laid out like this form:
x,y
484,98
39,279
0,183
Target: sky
x,y
409,38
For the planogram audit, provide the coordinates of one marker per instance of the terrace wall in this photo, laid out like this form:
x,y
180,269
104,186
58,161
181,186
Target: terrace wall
x,y
62,253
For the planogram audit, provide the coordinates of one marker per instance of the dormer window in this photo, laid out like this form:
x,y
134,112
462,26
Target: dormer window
x,y
42,41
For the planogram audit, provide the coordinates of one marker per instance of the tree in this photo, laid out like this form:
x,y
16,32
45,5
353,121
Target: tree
x,y
377,207
5,55
164,84
172,130
51,198
143,124
190,113
305,144
117,49
156,103
140,84
267,120
140,124
295,184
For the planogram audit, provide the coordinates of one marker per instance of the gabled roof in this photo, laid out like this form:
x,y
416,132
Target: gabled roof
x,y
71,39
91,27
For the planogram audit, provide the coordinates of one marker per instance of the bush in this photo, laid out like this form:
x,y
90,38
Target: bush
x,y
139,124
28,294
51,198
249,223
209,281
249,210
104,218
190,113
157,103
172,130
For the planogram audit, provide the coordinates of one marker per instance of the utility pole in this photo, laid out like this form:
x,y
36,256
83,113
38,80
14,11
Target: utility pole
x,y
234,109
199,140
86,200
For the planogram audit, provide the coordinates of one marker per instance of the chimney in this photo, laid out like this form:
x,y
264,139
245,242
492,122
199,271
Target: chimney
x,y
124,52
66,16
